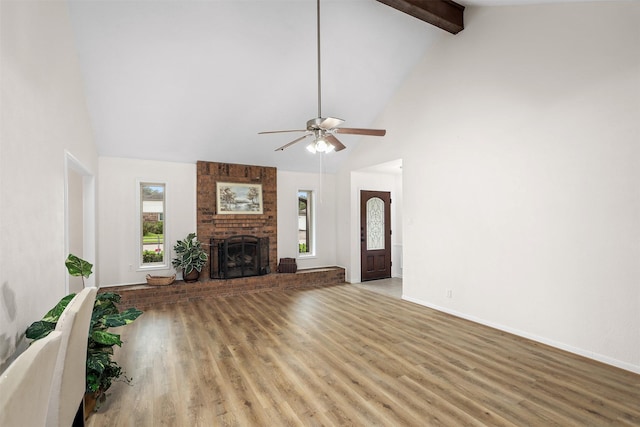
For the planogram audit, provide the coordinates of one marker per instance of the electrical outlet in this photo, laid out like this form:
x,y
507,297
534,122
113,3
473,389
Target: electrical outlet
x,y
130,267
449,293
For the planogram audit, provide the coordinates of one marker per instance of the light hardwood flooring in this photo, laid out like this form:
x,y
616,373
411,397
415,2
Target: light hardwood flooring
x,y
345,356
391,287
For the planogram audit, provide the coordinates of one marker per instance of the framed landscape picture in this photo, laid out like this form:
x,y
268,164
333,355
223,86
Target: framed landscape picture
x,y
235,198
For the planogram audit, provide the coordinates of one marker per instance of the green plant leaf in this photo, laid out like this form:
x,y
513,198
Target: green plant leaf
x,y
107,338
108,296
54,314
97,362
103,308
93,383
96,348
120,319
189,255
40,329
77,266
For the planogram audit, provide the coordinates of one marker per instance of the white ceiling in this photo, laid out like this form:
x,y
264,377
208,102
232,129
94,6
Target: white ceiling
x,y
197,80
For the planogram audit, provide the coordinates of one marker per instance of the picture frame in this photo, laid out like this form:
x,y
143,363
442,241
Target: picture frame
x,y
234,198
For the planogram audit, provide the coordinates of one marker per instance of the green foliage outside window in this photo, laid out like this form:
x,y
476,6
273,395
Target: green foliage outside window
x,y
152,256
152,227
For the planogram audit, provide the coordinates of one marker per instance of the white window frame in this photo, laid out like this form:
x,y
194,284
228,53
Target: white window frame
x,y
311,211
139,238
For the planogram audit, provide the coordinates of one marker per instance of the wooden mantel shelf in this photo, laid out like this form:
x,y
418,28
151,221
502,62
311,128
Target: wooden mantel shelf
x,y
143,296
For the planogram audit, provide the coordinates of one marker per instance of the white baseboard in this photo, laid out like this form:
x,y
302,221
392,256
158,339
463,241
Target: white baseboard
x,y
562,346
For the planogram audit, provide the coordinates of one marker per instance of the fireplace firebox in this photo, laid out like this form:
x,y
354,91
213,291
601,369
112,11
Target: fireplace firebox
x,y
239,256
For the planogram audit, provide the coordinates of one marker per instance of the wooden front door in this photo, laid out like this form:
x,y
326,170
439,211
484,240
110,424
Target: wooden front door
x,y
375,235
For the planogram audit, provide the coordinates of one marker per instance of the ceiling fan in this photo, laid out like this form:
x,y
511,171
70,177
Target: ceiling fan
x,y
323,129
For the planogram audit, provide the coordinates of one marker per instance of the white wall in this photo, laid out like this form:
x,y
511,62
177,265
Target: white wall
x,y
119,214
42,114
521,164
324,185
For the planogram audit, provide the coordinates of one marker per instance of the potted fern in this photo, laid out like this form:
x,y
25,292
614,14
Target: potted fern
x,y
190,257
102,370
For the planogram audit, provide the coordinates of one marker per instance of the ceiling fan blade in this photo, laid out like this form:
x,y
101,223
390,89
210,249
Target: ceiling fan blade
x,y
292,142
357,131
337,145
330,123
282,131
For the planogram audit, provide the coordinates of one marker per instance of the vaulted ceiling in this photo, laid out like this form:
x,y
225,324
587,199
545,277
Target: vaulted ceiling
x,y
197,80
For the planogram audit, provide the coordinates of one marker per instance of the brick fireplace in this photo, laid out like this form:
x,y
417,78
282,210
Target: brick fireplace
x,y
213,225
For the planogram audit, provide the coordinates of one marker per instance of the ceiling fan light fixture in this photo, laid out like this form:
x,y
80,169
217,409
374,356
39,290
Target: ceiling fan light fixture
x,y
320,145
323,128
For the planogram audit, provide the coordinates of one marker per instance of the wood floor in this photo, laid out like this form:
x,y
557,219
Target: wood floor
x,y
345,356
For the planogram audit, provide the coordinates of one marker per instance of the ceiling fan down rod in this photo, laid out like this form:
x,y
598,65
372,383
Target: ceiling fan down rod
x,y
319,67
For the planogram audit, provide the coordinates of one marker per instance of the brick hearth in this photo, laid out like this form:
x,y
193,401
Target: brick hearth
x,y
144,296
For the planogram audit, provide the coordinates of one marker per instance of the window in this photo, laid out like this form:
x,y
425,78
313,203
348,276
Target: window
x,y
152,216
306,231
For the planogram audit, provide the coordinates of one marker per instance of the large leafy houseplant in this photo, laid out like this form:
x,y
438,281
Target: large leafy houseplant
x,y
189,255
102,370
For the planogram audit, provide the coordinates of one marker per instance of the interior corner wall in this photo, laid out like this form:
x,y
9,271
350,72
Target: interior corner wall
x,y
118,214
521,175
396,237
324,186
344,235
42,115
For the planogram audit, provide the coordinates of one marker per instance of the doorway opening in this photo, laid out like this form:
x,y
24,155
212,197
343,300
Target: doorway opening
x,y
375,235
79,195
385,177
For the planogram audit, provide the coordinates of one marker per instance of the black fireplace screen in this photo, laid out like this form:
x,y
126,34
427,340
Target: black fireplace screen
x,y
239,256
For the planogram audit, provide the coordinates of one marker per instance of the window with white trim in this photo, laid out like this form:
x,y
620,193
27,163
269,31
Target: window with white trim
x,y
152,224
306,223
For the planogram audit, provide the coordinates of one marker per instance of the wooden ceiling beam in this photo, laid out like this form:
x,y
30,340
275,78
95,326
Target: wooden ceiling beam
x,y
444,14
